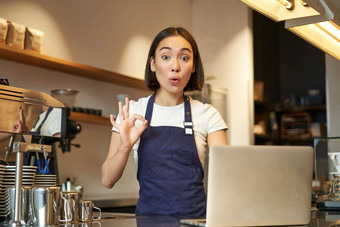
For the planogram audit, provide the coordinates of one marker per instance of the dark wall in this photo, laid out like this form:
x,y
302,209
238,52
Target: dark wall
x,y
287,64
266,55
302,66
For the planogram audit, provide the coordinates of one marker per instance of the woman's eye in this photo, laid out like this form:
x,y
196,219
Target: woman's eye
x,y
184,58
165,57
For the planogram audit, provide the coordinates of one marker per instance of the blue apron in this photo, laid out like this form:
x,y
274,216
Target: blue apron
x,y
170,174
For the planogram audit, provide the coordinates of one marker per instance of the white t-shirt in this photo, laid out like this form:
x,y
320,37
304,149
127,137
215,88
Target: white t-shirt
x,y
206,119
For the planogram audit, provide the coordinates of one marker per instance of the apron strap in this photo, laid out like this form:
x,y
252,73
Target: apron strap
x,y
188,125
149,107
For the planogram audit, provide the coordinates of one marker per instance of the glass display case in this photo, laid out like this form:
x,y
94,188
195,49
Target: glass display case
x,y
324,168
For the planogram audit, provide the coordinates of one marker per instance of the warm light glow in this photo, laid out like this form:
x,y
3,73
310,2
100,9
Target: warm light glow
x,y
277,9
317,37
330,28
303,18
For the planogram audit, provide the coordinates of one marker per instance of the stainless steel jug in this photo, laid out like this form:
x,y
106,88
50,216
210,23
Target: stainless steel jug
x,y
86,211
72,198
25,215
46,203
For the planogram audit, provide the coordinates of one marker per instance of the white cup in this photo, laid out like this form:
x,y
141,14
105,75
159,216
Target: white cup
x,y
335,158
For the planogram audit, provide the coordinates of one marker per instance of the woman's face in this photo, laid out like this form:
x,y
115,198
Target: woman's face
x,y
173,64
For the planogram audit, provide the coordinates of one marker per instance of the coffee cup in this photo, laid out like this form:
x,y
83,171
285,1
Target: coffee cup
x,y
86,211
335,158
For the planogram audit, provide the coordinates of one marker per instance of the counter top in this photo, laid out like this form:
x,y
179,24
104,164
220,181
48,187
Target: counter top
x,y
318,219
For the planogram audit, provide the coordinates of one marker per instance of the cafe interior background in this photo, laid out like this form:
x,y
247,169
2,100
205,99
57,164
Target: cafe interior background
x,y
115,36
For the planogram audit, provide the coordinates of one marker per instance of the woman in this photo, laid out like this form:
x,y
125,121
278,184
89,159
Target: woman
x,y
168,131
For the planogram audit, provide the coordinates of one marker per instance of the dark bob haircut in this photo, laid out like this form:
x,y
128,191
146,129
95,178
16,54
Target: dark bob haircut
x,y
197,77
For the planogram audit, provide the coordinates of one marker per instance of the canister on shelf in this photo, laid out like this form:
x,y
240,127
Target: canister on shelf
x,y
3,30
34,40
15,35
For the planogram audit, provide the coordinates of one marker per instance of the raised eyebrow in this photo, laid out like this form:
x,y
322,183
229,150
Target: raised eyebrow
x,y
168,48
186,49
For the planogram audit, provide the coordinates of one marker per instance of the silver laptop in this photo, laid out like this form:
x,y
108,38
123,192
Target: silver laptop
x,y
258,186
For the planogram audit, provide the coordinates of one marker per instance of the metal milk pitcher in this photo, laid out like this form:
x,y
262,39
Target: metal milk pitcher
x,y
72,198
45,204
86,211
25,215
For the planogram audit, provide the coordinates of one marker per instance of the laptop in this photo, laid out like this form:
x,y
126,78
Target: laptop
x,y
258,186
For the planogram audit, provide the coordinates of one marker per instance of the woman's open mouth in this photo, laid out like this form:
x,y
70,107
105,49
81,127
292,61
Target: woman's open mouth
x,y
174,80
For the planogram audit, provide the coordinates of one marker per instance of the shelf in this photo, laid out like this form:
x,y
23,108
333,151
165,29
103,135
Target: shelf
x,y
267,136
47,62
90,118
302,108
277,139
298,139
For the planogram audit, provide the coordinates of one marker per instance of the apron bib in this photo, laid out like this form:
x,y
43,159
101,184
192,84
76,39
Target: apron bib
x,y
170,174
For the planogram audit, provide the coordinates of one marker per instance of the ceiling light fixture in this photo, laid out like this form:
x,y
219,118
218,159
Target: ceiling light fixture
x,y
280,10
322,31
330,28
316,21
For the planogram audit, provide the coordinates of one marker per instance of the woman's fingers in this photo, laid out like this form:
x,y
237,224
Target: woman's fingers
x,y
136,117
112,119
124,112
127,107
120,109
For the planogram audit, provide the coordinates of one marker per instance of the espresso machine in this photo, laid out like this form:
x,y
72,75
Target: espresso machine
x,y
24,115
